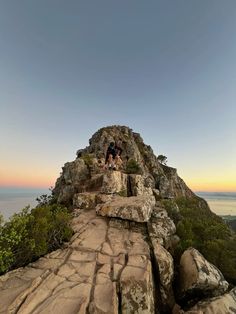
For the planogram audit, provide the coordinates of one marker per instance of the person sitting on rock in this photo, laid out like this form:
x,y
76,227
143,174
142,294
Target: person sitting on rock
x,y
110,156
118,160
113,160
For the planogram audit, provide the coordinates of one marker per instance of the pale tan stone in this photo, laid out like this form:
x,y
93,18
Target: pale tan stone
x,y
16,285
165,265
104,259
105,299
70,300
82,256
114,182
135,208
117,268
118,240
137,290
137,184
196,273
86,200
138,261
106,249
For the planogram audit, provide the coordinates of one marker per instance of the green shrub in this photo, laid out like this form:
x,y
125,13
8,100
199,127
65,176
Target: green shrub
x,y
133,167
88,159
29,235
208,233
122,193
172,210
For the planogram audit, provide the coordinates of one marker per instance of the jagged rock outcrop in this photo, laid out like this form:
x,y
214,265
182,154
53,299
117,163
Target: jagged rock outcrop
x,y
199,277
84,174
119,258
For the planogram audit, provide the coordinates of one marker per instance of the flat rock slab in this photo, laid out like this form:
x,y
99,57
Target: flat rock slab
x,y
104,269
134,208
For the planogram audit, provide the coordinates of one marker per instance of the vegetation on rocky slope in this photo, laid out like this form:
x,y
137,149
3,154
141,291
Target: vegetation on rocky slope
x,y
198,227
31,234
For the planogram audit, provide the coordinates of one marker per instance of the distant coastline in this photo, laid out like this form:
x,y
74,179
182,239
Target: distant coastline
x,y
12,200
221,203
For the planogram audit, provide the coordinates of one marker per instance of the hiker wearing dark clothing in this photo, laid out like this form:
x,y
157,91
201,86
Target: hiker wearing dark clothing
x,y
113,156
111,151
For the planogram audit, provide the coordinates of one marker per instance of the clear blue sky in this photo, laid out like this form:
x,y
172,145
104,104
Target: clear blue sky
x,y
165,68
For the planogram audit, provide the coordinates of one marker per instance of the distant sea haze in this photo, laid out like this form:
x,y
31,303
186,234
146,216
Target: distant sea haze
x,y
12,200
221,203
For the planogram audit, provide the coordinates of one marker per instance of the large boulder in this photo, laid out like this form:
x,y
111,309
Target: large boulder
x,y
84,200
140,185
135,208
114,182
199,277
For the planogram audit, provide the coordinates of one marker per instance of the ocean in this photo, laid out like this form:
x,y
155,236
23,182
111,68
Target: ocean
x,y
221,203
12,200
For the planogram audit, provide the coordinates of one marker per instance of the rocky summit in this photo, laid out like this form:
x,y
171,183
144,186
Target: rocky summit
x,y
119,259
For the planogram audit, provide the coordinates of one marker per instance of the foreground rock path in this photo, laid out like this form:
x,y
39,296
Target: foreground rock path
x,y
101,270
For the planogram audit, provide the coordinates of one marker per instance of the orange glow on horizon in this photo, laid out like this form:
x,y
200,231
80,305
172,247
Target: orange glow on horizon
x,y
35,182
213,186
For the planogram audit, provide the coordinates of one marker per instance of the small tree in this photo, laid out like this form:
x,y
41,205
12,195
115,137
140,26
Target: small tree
x,y
162,159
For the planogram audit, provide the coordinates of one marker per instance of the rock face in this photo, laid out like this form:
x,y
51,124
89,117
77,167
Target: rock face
x,y
119,258
84,174
106,266
198,275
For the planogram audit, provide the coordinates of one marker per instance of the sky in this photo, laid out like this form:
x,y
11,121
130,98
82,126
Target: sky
x,y
167,69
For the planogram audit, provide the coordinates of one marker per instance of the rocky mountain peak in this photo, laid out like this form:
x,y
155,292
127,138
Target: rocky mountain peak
x,y
119,259
87,171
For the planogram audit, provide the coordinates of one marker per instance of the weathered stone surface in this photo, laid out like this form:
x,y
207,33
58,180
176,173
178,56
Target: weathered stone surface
x,y
114,182
105,294
104,259
165,265
135,208
84,200
16,285
197,274
171,185
139,186
107,267
86,172
225,304
161,228
137,290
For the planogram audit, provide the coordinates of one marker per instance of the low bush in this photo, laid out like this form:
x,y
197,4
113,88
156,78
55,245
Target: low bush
x,y
132,167
207,232
31,234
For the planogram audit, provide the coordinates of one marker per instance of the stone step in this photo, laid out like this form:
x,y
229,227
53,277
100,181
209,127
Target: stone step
x,y
134,208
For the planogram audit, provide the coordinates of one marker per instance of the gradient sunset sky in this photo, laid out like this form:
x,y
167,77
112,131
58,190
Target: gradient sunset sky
x,y
167,69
